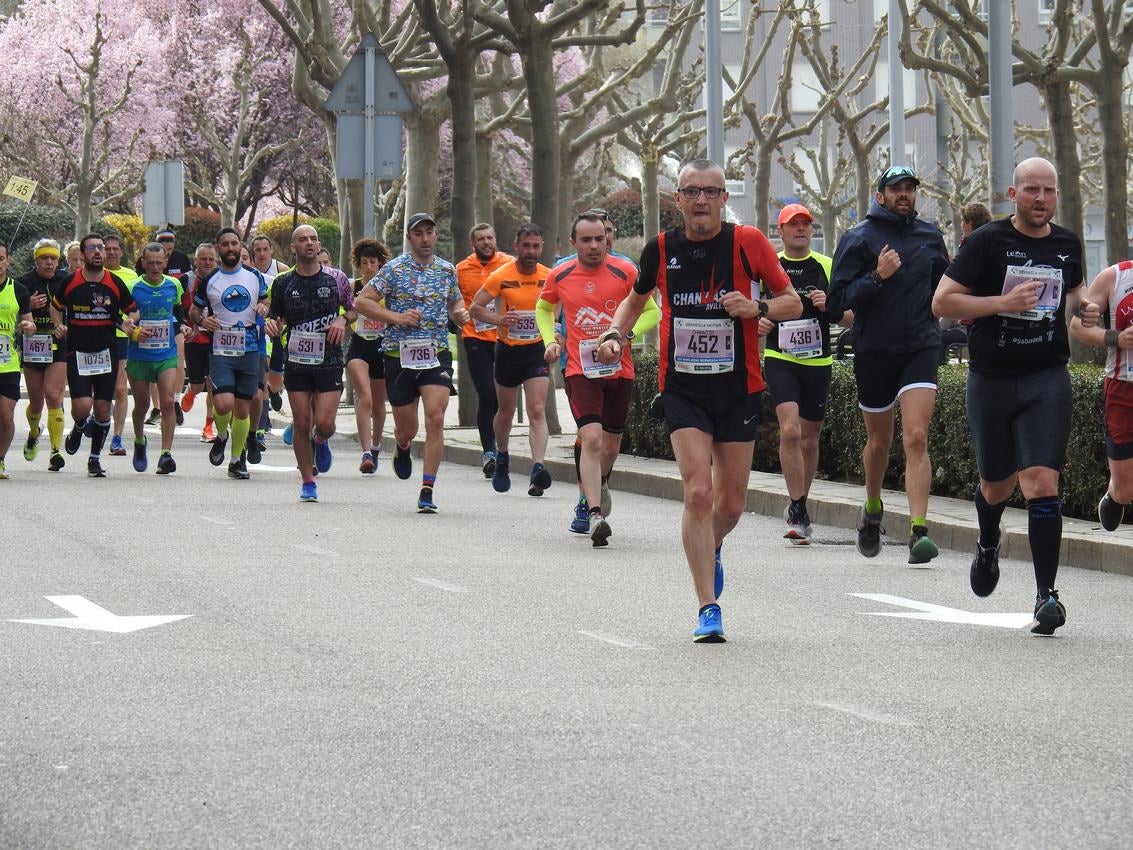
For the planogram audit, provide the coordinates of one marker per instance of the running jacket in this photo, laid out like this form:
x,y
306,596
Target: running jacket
x,y
894,317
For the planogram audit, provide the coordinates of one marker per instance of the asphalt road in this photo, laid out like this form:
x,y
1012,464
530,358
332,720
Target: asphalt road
x,y
352,674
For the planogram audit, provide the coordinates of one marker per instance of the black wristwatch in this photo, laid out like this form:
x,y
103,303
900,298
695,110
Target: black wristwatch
x,y
629,334
762,309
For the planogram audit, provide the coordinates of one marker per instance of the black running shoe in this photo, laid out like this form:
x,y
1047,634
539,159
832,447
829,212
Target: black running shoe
x,y
275,401
253,450
179,413
599,530
921,548
984,575
1110,513
1049,613
869,533
74,440
57,462
94,468
166,464
216,453
238,469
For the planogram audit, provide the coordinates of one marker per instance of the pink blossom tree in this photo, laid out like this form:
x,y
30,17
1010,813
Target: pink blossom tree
x,y
84,107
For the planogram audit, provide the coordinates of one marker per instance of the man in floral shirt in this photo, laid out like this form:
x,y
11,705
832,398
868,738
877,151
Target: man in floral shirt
x,y
421,297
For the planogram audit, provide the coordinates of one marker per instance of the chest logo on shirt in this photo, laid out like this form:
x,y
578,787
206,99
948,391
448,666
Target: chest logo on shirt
x,y
236,299
324,292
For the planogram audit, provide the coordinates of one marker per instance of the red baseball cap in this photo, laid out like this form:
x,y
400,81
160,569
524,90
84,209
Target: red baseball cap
x,y
791,210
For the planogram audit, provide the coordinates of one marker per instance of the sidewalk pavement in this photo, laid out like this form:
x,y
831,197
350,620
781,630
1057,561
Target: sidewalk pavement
x,y
952,522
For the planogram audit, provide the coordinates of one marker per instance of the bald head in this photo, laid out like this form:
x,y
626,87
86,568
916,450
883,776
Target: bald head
x,y
1034,168
1034,191
305,248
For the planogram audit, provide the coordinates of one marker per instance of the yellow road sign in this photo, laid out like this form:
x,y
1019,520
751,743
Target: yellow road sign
x,y
21,188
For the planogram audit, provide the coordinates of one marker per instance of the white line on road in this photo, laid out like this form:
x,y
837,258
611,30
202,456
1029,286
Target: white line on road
x,y
605,637
442,585
314,550
215,520
863,714
263,467
141,500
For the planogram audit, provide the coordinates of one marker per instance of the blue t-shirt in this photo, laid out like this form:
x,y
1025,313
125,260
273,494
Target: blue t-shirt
x,y
407,285
156,303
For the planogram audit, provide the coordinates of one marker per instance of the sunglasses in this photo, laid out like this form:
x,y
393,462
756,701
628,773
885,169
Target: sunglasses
x,y
898,171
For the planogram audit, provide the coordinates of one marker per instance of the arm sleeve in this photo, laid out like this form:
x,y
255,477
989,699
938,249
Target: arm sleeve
x,y
545,320
649,318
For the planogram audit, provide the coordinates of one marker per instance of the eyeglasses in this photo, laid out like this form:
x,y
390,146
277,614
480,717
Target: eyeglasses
x,y
94,248
693,192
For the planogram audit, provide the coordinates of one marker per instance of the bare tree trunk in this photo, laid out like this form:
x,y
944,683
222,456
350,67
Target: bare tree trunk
x,y
485,203
538,71
422,153
1115,155
650,200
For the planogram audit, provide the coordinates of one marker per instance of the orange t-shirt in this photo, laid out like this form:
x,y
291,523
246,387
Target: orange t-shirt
x,y
518,292
589,298
471,273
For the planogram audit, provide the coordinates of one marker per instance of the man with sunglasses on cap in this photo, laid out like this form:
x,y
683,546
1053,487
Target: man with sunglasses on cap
x,y
707,273
797,364
886,269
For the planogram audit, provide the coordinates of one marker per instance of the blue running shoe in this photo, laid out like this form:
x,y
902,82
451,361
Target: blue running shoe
x,y
402,462
581,522
425,503
288,434
116,448
711,627
501,480
323,456
1049,614
309,492
718,586
140,461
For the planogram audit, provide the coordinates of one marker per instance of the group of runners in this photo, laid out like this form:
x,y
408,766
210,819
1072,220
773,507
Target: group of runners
x,y
719,293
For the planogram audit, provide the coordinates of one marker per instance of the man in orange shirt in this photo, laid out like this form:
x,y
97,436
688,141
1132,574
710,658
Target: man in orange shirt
x,y
519,353
590,287
480,337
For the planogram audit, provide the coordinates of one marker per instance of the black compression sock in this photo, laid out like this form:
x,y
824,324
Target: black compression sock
x,y
989,516
98,438
1044,530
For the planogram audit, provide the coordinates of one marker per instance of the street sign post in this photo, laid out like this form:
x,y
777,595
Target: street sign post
x,y
369,99
164,199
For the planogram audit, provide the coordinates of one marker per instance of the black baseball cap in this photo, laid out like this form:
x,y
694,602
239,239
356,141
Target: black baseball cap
x,y
417,219
895,174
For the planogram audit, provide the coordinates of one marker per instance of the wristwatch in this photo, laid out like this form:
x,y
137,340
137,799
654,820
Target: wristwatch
x,y
762,309
629,334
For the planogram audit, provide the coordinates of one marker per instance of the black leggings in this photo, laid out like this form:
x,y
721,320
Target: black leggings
x,y
482,366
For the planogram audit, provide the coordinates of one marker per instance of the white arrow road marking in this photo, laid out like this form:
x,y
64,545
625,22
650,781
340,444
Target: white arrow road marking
x,y
314,550
606,637
865,714
442,585
942,614
93,617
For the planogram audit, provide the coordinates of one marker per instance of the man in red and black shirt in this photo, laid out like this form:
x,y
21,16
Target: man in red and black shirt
x,y
87,308
707,274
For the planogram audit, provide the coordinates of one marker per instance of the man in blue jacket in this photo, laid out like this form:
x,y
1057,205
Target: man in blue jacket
x,y
886,269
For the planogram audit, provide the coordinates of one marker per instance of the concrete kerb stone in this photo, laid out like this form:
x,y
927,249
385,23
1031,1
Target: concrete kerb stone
x,y
952,522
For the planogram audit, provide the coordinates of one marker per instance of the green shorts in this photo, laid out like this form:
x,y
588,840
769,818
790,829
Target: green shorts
x,y
148,370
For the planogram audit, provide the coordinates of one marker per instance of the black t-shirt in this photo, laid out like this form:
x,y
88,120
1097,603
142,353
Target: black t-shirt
x,y
36,285
695,329
91,310
308,304
997,253
807,275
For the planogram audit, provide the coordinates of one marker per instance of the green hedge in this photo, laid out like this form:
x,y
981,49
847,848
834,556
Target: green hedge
x,y
950,444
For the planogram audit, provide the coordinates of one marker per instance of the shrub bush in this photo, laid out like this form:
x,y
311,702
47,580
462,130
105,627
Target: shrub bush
x,y
200,226
133,232
950,441
624,209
